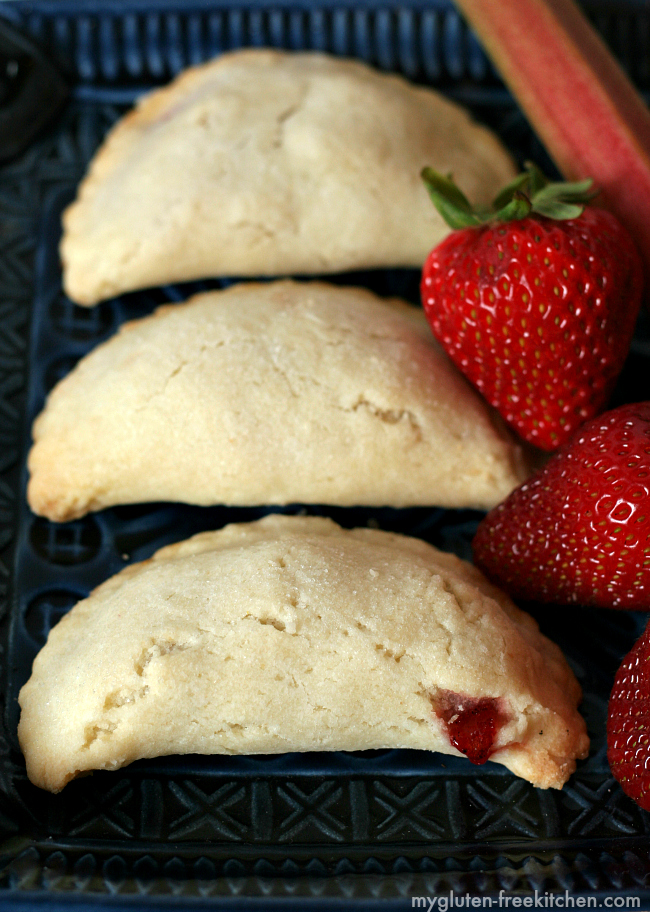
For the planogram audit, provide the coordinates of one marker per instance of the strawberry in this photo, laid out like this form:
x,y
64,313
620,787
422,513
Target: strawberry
x,y
628,723
579,529
535,301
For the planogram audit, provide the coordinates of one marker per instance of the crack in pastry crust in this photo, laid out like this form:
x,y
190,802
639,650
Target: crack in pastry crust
x,y
270,163
292,634
272,393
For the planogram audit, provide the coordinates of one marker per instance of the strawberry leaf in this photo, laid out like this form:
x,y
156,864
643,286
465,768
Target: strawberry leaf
x,y
450,202
558,210
579,191
562,201
528,192
518,207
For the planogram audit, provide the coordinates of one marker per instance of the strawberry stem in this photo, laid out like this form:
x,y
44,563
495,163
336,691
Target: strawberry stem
x,y
529,192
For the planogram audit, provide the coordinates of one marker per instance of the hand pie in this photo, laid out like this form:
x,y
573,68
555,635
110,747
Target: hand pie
x,y
270,393
270,163
292,634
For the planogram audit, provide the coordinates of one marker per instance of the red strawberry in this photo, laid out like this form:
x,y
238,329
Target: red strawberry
x,y
628,723
579,529
535,301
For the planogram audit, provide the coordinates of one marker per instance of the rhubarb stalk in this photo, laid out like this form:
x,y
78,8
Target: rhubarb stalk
x,y
576,96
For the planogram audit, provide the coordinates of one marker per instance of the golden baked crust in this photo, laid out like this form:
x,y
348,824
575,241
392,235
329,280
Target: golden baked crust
x,y
270,393
292,634
270,163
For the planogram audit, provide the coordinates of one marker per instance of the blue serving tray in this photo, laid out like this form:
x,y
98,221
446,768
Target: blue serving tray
x,y
328,830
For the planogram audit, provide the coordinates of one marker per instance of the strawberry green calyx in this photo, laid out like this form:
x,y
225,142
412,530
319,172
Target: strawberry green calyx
x,y
529,193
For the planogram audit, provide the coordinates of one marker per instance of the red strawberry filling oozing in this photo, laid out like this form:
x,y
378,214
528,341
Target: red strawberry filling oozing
x,y
472,724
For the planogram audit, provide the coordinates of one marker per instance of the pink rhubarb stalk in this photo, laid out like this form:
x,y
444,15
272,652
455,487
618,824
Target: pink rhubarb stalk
x,y
576,96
